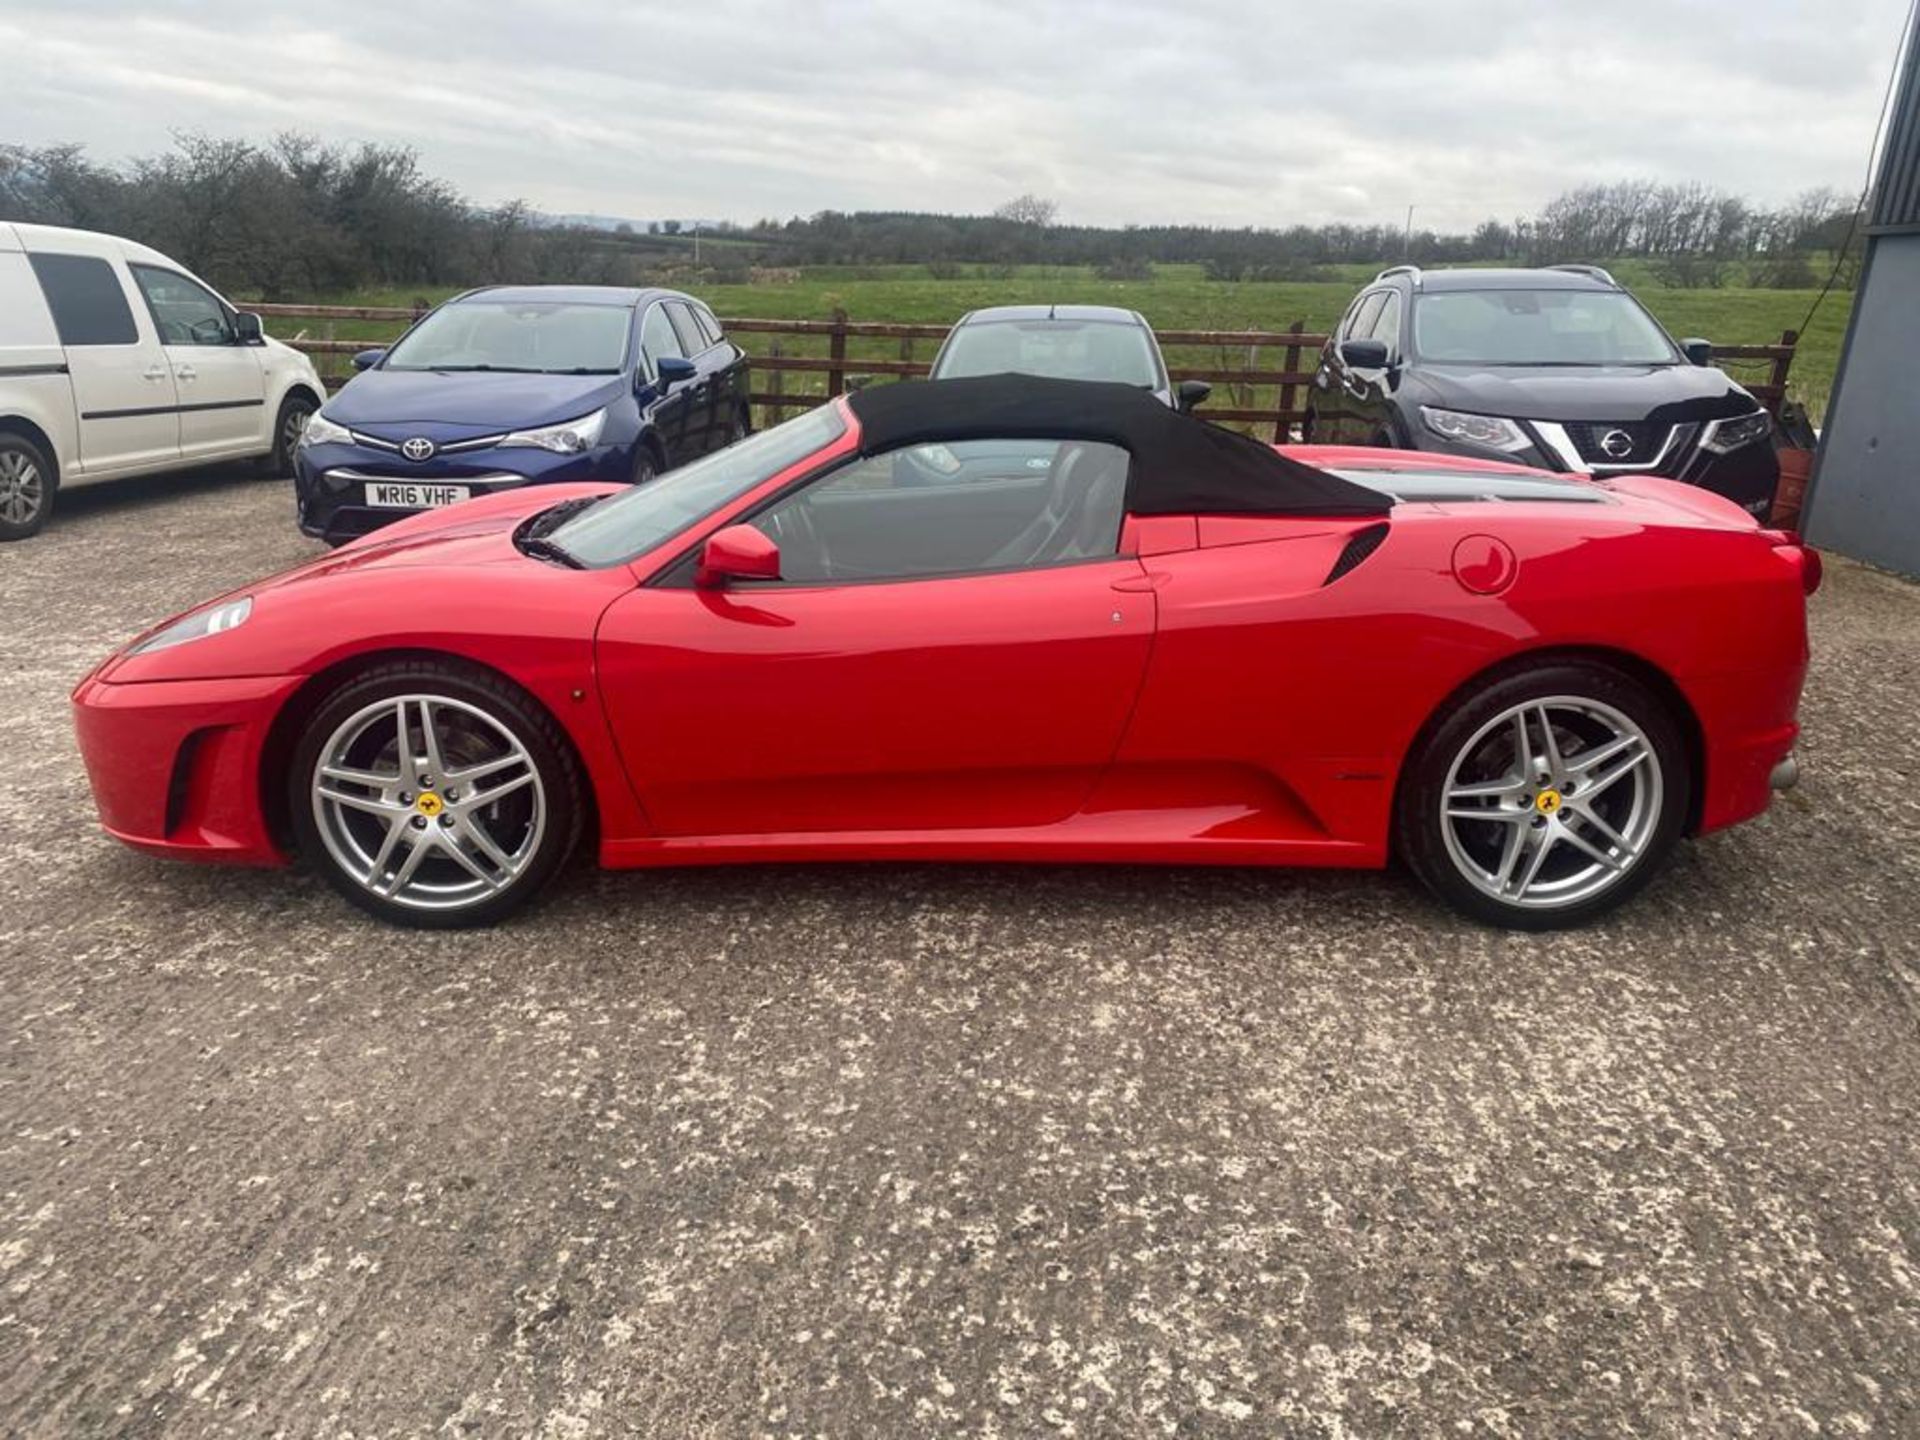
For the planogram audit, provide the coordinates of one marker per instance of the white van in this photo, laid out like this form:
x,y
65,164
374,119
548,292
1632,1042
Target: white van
x,y
114,361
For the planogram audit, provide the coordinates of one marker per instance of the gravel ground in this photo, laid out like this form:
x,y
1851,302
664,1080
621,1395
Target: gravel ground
x,y
948,1151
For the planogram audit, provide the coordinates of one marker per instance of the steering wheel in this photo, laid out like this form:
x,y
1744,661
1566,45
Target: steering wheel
x,y
793,530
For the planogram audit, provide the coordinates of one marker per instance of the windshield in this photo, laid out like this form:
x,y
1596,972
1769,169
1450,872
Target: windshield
x,y
548,339
1537,327
625,526
1058,349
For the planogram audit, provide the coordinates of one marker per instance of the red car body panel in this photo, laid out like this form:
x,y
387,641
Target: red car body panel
x,y
1207,695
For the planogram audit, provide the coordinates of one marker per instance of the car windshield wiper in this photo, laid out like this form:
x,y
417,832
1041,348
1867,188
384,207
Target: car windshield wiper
x,y
539,547
470,369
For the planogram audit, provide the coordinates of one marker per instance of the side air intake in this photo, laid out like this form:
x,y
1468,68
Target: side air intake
x,y
1361,544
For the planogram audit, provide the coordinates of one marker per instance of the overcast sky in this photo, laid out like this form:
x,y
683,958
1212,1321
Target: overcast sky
x,y
1208,111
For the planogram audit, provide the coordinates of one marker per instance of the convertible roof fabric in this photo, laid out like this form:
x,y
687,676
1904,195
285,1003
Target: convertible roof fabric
x,y
1181,465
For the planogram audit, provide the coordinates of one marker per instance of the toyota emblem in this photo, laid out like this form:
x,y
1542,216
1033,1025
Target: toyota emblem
x,y
1617,443
420,448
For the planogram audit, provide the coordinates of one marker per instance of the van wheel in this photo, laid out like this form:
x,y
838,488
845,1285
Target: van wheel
x,y
290,425
27,484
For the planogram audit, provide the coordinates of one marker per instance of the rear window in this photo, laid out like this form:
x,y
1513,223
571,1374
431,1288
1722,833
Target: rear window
x,y
1056,349
89,307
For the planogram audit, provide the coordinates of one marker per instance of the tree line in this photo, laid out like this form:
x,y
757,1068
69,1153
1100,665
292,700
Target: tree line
x,y
297,218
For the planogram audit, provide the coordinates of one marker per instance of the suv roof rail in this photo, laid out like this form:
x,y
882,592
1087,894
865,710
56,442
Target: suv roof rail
x,y
1411,270
1594,270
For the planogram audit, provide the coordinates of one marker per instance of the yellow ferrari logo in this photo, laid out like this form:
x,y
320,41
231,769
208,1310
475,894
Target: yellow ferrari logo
x,y
1546,802
429,804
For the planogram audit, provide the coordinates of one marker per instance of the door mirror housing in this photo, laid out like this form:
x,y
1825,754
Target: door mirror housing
x,y
1698,351
1190,395
674,369
738,552
367,359
247,329
1364,354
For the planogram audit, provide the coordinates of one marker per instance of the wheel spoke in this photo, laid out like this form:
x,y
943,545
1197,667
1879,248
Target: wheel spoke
x,y
1497,817
484,843
472,866
1595,788
402,745
1585,846
1606,831
372,779
371,804
473,774
1586,761
1510,852
421,846
1547,837
1549,747
395,832
475,800
1485,789
431,742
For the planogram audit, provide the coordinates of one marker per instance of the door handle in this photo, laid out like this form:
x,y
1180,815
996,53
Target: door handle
x,y
1135,584
185,372
154,372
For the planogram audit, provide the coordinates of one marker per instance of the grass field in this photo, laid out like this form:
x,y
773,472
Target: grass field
x,y
1181,297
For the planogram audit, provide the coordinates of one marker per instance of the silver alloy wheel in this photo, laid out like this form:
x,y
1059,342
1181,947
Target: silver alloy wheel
x,y
22,490
1551,802
292,428
428,802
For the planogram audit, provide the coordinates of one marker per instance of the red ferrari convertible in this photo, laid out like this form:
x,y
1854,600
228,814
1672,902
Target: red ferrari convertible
x,y
996,619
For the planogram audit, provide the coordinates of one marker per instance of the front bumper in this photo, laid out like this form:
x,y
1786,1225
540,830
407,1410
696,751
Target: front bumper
x,y
175,764
331,483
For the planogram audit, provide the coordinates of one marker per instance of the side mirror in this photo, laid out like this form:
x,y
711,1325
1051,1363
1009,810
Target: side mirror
x,y
246,328
1364,354
673,369
1190,394
738,552
367,359
1699,351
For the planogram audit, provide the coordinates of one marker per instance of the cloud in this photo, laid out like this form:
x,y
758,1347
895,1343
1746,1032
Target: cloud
x,y
1122,110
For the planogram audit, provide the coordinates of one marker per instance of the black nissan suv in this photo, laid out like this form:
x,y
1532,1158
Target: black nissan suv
x,y
1559,368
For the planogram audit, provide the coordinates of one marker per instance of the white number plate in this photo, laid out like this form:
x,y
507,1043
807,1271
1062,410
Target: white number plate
x,y
413,495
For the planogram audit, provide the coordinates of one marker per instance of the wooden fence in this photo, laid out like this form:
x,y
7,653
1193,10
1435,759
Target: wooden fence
x,y
805,361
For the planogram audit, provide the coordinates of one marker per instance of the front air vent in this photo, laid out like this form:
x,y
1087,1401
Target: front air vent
x,y
1360,545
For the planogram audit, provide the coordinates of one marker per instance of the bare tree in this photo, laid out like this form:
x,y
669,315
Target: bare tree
x,y
1028,210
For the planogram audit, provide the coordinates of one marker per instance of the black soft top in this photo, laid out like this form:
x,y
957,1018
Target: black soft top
x,y
1181,466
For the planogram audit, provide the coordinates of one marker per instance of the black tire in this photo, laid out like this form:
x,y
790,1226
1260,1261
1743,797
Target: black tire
x,y
1421,830
295,411
646,464
741,428
28,484
453,684
1307,423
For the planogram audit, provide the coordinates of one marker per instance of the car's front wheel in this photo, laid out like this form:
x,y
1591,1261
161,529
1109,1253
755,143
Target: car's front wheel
x,y
288,426
1546,796
435,795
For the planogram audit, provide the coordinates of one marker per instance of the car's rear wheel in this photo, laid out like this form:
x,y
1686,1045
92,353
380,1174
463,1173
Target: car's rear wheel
x,y
291,423
1545,797
646,465
27,485
435,795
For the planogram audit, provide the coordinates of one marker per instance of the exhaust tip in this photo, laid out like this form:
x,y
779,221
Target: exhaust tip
x,y
1786,774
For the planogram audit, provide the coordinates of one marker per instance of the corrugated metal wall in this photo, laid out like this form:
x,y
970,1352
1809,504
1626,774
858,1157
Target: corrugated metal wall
x,y
1896,200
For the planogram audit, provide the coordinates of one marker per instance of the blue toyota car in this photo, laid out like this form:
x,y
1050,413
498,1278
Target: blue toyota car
x,y
520,385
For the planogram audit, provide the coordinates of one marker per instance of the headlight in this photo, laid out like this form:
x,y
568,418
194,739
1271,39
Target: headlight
x,y
197,626
1724,435
569,438
1490,432
322,431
